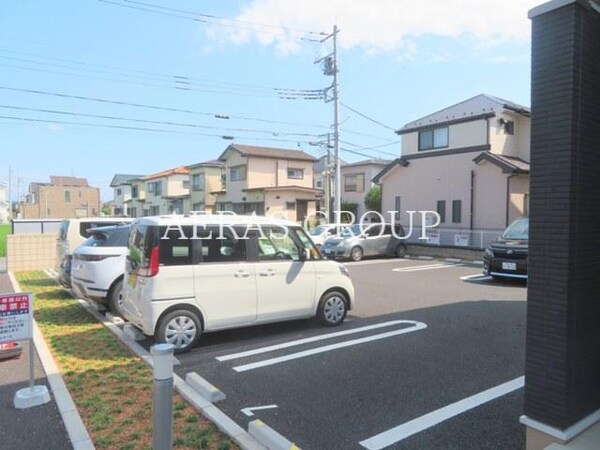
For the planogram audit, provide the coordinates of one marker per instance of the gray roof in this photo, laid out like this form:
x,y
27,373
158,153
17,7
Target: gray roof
x,y
268,152
211,163
369,162
477,106
122,178
509,164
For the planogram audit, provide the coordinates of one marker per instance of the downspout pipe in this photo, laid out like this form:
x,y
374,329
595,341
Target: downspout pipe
x,y
508,195
471,212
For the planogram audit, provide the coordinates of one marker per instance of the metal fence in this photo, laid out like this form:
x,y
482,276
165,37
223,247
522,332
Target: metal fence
x,y
453,237
34,226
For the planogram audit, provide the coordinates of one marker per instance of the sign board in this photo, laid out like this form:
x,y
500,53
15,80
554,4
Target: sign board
x,y
433,237
16,317
461,240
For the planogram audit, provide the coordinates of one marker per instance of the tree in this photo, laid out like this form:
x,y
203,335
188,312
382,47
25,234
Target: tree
x,y
373,199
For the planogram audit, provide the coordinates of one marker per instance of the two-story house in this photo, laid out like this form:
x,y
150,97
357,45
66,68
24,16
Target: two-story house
x,y
136,203
356,181
167,192
121,184
265,180
205,178
469,162
63,197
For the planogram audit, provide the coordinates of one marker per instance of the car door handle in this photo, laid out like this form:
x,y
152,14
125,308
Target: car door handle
x,y
267,273
241,274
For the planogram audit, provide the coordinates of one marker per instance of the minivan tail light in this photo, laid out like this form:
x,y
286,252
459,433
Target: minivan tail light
x,y
154,259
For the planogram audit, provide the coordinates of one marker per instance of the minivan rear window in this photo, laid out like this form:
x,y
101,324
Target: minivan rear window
x,y
142,239
85,226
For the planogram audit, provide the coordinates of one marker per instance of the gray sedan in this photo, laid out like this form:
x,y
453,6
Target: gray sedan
x,y
357,241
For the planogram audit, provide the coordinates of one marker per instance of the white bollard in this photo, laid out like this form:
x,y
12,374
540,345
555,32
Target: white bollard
x,y
162,391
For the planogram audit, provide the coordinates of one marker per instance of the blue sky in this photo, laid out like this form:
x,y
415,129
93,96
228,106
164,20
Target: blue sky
x,y
398,59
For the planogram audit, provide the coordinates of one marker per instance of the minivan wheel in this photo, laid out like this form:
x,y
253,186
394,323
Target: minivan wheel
x,y
400,251
181,328
115,299
332,309
356,254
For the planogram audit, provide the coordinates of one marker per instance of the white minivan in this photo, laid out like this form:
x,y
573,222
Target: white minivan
x,y
189,275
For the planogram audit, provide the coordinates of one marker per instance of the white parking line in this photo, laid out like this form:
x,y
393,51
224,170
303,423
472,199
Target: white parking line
x,y
415,426
375,261
426,267
269,362
320,337
476,277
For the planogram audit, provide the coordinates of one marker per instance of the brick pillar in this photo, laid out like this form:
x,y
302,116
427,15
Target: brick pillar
x,y
563,316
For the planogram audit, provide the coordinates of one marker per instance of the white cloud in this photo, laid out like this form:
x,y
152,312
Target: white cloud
x,y
381,25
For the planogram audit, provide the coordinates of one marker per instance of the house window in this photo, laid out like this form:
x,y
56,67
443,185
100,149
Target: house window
x,y
237,173
185,184
133,212
319,183
441,210
296,174
155,210
434,138
155,187
134,192
118,192
198,182
198,207
354,182
290,206
397,203
456,211
68,196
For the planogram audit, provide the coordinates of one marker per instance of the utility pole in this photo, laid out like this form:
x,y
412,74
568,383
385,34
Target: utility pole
x,y
330,68
10,205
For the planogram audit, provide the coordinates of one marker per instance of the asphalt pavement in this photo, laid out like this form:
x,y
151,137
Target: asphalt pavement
x,y
32,428
324,390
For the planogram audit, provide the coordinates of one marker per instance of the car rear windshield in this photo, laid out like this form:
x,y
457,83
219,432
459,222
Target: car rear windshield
x,y
518,230
85,226
117,237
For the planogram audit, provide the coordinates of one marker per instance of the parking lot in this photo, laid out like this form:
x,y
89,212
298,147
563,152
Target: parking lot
x,y
432,357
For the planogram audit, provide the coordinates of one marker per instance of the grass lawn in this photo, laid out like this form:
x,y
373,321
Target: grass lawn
x,y
4,230
111,387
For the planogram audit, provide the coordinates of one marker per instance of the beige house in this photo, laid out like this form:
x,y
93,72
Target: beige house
x,y
167,192
265,180
468,162
205,178
136,203
121,184
63,197
356,181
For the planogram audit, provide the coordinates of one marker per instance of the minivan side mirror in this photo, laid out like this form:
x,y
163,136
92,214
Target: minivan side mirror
x,y
305,254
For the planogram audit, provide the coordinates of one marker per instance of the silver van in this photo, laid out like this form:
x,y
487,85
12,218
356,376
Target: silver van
x,y
358,240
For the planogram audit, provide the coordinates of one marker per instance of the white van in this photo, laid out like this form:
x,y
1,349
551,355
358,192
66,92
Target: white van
x,y
188,275
72,233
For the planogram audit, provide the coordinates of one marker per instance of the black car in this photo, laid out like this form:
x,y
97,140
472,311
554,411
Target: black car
x,y
506,257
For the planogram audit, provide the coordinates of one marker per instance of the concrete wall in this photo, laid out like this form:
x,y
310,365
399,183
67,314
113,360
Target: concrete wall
x,y
30,252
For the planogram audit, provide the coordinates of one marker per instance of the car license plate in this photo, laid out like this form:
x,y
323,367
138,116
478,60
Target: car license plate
x,y
132,280
509,266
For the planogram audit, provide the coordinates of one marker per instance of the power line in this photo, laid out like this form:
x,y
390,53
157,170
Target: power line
x,y
154,122
155,130
211,19
367,117
154,76
178,85
158,107
373,148
368,135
